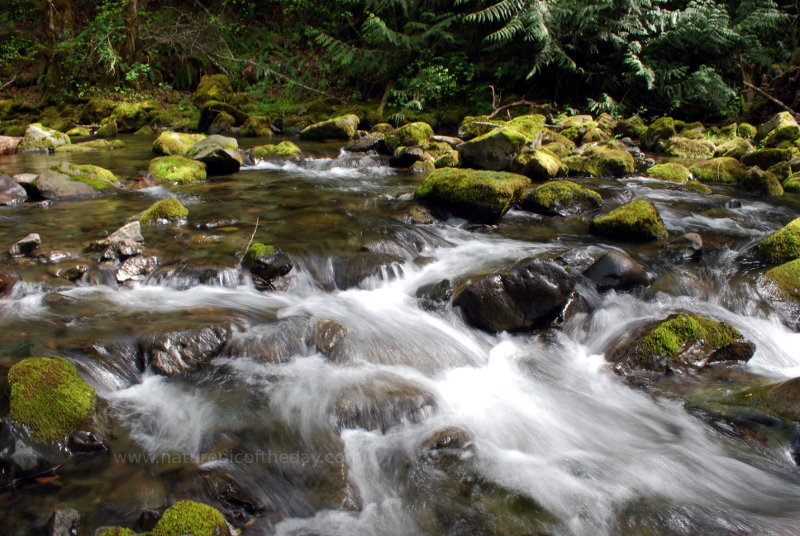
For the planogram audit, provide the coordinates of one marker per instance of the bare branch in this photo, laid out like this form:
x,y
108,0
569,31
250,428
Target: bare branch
x,y
250,243
521,102
770,97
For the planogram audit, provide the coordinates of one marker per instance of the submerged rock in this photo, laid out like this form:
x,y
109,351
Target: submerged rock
x,y
680,342
89,146
350,271
638,220
618,271
343,127
173,352
560,198
518,299
685,247
7,282
482,196
64,522
129,232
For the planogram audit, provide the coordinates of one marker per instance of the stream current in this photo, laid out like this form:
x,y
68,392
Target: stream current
x,y
412,422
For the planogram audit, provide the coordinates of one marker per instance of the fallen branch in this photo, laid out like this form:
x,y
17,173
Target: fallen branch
x,y
521,102
9,82
250,243
770,97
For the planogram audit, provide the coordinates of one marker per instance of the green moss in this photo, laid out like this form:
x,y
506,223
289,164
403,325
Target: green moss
x,y
284,150
412,134
189,517
787,278
257,126
175,143
177,169
735,147
381,128
79,132
723,169
214,87
166,209
675,334
473,126
781,128
39,137
766,158
684,147
116,531
661,129
632,127
671,172
343,127
792,184
108,129
782,245
539,165
607,162
258,251
95,176
638,220
476,195
49,396
762,182
560,196
145,132
747,131
698,187
89,146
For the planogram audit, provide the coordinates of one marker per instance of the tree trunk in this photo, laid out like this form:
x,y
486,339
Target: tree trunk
x,y
60,26
131,49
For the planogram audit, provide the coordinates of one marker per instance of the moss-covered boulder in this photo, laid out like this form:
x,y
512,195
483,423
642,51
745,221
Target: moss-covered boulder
x,y
39,138
792,183
683,147
473,126
96,109
170,210
177,169
560,198
482,196
680,342
497,149
783,245
735,148
131,116
746,131
266,263
410,135
79,132
638,220
214,87
72,180
762,182
781,127
723,169
175,143
114,531
381,128
89,146
670,171
661,129
344,127
49,396
766,158
218,117
697,187
604,161
257,126
108,129
787,279
632,127
539,165
189,517
284,150
219,153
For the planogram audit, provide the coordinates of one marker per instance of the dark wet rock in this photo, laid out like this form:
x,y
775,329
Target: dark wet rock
x,y
327,336
419,215
7,282
266,263
225,489
219,153
434,295
381,404
350,271
64,522
576,305
680,342
518,299
366,143
762,182
136,268
617,271
401,241
784,399
575,259
682,248
173,352
11,193
733,203
26,246
147,520
21,457
404,157
274,342
86,441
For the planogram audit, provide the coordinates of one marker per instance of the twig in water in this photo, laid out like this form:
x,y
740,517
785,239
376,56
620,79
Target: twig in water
x,y
250,243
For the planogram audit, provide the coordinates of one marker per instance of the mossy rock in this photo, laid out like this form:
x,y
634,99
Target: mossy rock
x,y
218,117
190,517
607,162
670,171
73,180
724,169
257,126
39,138
473,126
410,135
108,129
763,182
746,131
766,158
259,251
783,245
115,531
284,150
781,128
661,129
131,116
638,220
79,132
167,209
497,149
175,143
560,198
216,87
539,165
97,109
595,135
787,278
735,148
381,128
681,342
49,396
177,169
89,146
482,196
632,127
344,127
792,184
683,147
219,153
145,132
697,187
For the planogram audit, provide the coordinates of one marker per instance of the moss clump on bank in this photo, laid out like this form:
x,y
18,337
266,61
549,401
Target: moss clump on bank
x,y
472,194
638,220
560,197
671,172
190,517
167,209
724,169
49,396
284,150
787,277
177,169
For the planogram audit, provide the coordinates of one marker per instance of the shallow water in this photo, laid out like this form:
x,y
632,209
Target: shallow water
x,y
339,444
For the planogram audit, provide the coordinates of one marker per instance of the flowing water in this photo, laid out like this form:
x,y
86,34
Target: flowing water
x,y
414,423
